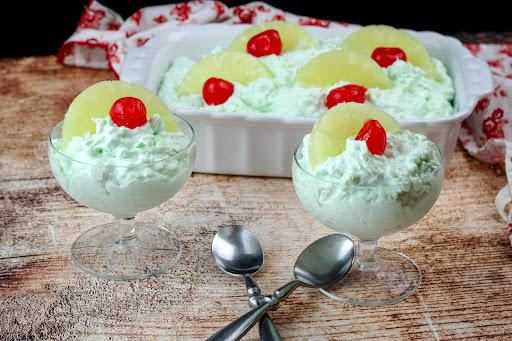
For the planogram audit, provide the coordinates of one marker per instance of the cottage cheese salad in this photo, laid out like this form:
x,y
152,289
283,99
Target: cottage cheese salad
x,y
123,158
278,68
360,173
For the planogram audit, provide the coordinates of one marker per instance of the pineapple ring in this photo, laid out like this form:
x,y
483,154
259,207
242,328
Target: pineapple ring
x,y
293,36
331,131
228,65
337,65
366,39
96,101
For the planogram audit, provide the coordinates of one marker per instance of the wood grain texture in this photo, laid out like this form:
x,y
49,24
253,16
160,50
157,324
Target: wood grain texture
x,y
461,247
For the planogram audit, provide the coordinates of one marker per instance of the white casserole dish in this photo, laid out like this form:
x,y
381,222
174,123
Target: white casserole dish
x,y
261,145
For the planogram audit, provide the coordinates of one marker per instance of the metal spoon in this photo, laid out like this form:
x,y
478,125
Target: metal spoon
x,y
237,251
322,263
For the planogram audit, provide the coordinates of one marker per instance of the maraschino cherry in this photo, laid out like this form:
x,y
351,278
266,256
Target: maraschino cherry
x,y
385,56
128,112
217,91
346,93
265,43
374,135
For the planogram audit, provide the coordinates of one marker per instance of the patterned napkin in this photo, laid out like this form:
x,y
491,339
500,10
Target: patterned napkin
x,y
103,38
487,133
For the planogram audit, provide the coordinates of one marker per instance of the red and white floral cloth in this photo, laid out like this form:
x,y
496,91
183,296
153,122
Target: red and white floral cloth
x,y
487,133
103,38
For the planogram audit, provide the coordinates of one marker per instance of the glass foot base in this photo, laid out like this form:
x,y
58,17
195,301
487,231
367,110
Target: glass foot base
x,y
393,278
152,250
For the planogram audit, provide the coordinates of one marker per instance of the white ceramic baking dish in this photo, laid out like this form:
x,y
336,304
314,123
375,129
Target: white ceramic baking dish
x,y
261,145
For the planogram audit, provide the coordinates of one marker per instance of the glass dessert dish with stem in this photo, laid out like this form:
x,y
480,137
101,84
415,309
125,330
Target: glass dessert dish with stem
x,y
379,275
127,248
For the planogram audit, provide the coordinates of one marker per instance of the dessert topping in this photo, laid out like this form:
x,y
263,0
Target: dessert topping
x,y
346,93
385,56
374,135
265,43
129,112
217,91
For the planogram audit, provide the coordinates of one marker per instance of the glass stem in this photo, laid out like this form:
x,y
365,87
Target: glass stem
x,y
366,257
125,230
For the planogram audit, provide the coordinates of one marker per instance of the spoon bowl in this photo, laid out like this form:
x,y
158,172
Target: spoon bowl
x,y
325,261
236,250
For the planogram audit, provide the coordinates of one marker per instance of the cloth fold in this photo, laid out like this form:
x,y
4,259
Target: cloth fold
x,y
103,38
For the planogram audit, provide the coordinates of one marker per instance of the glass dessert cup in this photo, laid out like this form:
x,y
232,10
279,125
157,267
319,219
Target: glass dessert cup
x,y
379,275
127,248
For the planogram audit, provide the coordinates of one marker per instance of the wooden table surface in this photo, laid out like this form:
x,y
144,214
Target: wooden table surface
x,y
461,245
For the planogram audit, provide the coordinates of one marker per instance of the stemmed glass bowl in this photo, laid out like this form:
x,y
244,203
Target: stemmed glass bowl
x,y
126,248
379,275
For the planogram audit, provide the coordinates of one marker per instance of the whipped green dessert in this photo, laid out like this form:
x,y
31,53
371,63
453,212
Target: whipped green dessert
x,y
367,195
120,170
273,96
120,146
408,157
412,96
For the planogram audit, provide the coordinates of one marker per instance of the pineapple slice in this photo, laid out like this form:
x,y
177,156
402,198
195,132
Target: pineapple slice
x,y
331,131
228,65
293,36
337,65
96,101
366,39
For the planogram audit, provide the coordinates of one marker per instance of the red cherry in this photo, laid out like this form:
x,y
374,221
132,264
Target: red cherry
x,y
346,93
128,112
217,91
374,135
265,43
385,56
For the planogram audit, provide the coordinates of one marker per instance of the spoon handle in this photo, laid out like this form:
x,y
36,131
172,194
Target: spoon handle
x,y
252,288
268,330
239,327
